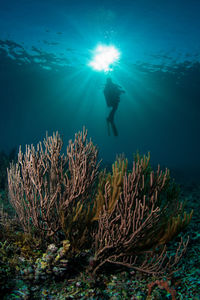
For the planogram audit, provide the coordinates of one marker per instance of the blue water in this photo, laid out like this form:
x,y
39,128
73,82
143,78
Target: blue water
x,y
47,85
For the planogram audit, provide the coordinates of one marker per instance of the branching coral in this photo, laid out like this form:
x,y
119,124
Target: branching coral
x,y
115,181
45,186
141,220
126,217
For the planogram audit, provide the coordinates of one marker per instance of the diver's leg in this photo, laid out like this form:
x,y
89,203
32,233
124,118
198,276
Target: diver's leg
x,y
114,129
108,125
111,115
111,120
108,120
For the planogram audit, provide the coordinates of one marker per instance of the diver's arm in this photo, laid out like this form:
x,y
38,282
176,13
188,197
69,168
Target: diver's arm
x,y
119,88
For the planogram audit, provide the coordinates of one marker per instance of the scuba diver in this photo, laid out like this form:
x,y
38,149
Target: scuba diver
x,y
112,94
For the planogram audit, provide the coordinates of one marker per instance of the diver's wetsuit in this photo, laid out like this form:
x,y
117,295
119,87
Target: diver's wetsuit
x,y
112,94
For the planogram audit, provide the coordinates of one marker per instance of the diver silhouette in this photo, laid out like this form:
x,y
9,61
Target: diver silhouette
x,y
112,94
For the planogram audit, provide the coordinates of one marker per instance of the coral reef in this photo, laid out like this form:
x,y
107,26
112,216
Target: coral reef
x,y
69,213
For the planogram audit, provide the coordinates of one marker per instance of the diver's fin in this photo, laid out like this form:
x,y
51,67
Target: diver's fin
x,y
114,129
